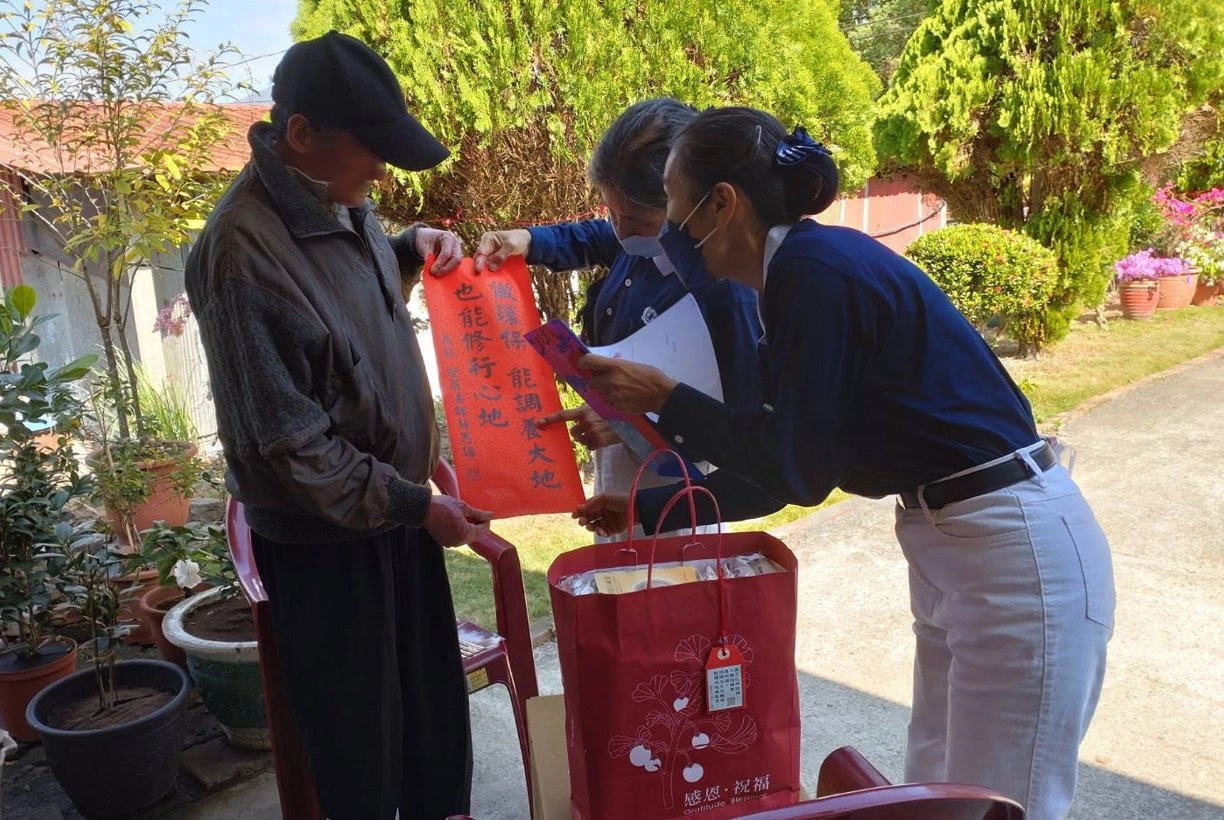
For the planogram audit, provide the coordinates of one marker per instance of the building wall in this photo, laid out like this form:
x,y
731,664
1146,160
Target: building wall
x,y
73,330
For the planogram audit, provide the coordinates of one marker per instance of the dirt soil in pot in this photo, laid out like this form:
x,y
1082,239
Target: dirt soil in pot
x,y
226,620
134,702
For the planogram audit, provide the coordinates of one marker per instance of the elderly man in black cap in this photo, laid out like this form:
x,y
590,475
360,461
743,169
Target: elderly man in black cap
x,y
326,418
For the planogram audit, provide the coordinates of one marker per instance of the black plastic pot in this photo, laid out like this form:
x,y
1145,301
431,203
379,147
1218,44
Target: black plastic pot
x,y
113,771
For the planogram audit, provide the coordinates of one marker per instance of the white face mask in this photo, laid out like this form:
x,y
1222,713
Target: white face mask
x,y
647,246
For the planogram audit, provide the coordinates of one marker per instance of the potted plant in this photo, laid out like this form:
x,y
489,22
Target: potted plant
x,y
113,733
1193,229
1176,284
36,484
216,630
1204,252
189,559
1139,276
150,477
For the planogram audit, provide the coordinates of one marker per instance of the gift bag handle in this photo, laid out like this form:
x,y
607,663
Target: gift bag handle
x,y
633,488
690,491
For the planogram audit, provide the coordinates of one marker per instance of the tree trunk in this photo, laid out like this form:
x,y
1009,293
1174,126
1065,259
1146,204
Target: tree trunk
x,y
103,318
133,385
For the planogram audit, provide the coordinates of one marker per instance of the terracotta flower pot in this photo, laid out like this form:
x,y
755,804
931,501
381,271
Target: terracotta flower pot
x,y
1139,299
162,504
21,680
151,609
1176,291
1205,295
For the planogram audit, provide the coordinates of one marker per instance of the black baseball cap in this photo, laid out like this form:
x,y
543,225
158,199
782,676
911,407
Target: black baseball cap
x,y
338,81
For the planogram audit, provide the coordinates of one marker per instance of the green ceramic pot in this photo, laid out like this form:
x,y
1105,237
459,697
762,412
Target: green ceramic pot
x,y
226,674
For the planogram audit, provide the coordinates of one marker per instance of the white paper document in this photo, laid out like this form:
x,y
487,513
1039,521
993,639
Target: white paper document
x,y
676,342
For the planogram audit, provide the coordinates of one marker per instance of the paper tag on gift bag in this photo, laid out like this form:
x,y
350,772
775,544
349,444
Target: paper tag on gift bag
x,y
724,679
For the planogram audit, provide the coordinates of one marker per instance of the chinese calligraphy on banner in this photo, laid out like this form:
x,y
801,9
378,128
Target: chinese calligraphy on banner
x,y
494,388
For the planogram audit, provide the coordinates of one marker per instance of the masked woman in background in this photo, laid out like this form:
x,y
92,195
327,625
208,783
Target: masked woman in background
x,y
627,169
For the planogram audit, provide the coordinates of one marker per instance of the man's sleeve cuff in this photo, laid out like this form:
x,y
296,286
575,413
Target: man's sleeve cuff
x,y
407,503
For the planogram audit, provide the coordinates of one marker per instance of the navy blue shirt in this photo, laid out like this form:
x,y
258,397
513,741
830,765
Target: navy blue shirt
x,y
635,292
874,383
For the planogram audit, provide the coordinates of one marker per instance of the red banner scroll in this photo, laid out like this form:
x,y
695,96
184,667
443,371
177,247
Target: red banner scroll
x,y
494,388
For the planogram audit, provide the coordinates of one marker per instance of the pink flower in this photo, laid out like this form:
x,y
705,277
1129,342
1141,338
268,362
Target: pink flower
x,y
172,319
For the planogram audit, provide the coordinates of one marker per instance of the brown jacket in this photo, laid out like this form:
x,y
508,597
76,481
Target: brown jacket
x,y
323,405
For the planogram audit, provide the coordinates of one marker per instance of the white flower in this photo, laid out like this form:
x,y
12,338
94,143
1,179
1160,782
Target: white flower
x,y
187,574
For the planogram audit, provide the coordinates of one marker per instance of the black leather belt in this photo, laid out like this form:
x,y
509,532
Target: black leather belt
x,y
939,494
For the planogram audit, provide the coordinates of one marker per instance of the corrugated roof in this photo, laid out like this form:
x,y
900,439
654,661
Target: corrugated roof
x,y
41,158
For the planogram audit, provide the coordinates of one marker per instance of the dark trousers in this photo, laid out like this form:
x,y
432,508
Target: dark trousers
x,y
367,642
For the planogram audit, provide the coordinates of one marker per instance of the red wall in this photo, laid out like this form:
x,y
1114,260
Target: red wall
x,y
894,211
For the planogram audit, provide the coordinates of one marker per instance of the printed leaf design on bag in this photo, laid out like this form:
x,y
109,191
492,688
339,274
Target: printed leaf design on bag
x,y
655,689
737,741
686,683
694,648
676,733
620,745
657,718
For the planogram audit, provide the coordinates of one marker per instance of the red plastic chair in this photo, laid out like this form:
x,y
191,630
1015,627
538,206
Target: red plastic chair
x,y
503,657
935,801
850,788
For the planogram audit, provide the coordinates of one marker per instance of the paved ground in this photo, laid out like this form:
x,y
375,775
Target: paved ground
x,y
1150,462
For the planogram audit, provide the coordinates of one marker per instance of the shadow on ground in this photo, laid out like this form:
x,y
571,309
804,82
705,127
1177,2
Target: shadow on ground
x,y
833,715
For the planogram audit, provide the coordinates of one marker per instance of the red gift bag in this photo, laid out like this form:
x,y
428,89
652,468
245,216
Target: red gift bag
x,y
638,668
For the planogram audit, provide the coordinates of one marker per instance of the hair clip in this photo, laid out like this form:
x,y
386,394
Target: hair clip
x,y
798,147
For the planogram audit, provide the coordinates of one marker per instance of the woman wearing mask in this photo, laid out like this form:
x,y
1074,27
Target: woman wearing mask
x,y
876,384
627,170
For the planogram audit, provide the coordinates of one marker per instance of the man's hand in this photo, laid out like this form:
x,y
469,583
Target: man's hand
x,y
498,246
605,514
444,245
628,386
589,429
453,523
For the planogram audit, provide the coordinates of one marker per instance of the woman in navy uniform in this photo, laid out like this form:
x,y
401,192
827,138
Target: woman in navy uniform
x,y
627,169
876,384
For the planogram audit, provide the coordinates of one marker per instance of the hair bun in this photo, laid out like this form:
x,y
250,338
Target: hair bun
x,y
810,173
822,170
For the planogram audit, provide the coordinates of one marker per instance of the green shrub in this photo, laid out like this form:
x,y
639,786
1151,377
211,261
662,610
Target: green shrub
x,y
992,274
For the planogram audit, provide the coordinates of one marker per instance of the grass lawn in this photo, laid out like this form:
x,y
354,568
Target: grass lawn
x,y
1090,362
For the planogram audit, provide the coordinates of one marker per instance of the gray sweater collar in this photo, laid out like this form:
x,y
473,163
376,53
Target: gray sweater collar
x,y
306,213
